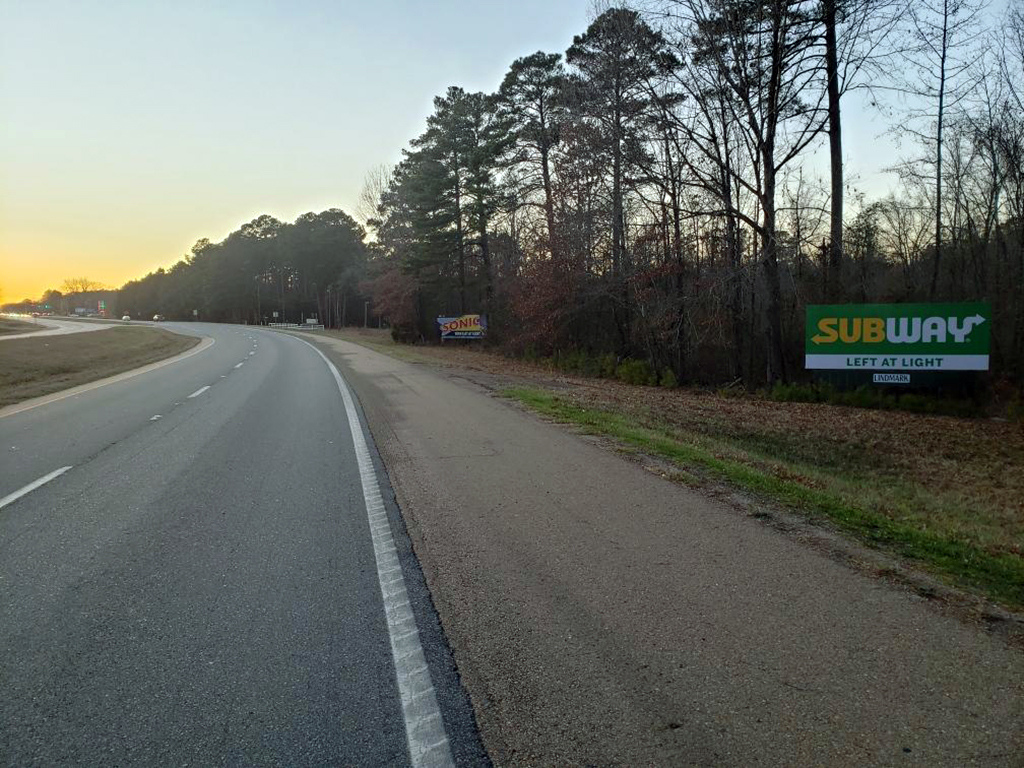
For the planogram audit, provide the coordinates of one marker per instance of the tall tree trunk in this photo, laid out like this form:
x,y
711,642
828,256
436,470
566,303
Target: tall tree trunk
x,y
485,255
666,238
549,202
938,151
736,294
773,301
619,226
835,145
459,240
617,222
773,304
1019,340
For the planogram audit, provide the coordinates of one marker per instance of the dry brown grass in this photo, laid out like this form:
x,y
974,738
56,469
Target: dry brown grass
x,y
33,367
9,325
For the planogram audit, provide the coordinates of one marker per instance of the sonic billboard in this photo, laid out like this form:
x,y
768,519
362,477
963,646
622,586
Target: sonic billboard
x,y
463,327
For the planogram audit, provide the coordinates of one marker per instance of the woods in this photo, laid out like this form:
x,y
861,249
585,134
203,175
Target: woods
x,y
672,189
266,270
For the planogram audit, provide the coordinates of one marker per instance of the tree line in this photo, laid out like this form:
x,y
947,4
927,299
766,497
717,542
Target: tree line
x,y
671,189
265,271
654,192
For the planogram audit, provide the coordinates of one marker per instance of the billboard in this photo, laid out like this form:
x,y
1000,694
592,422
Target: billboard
x,y
898,337
464,327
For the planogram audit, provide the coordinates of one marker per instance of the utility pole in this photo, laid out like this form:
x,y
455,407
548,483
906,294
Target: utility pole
x,y
366,314
280,275
259,313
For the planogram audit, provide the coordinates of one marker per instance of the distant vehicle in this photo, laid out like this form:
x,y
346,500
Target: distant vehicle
x,y
126,319
157,318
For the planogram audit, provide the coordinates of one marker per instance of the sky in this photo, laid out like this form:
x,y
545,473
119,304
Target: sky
x,y
129,130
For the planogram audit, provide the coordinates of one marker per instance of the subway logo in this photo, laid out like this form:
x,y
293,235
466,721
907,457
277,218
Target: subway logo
x,y
898,336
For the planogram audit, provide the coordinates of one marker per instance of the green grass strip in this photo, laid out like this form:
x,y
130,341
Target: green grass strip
x,y
1001,577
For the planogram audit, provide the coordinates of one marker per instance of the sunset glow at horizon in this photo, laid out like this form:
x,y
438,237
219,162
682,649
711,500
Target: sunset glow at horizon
x,y
131,130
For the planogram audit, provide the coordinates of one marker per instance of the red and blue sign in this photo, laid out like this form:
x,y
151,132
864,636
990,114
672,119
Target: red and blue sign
x,y
464,327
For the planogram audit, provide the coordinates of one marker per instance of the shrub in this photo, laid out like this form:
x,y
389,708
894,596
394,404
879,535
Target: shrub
x,y
590,367
870,397
668,379
572,361
637,372
403,334
731,391
606,365
1015,411
797,393
864,397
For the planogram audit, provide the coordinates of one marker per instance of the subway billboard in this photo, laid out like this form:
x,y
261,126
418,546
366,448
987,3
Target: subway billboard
x,y
898,337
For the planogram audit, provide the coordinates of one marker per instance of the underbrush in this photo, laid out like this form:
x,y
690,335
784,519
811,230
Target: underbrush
x,y
878,399
606,366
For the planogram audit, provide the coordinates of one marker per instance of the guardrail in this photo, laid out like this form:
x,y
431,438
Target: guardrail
x,y
298,326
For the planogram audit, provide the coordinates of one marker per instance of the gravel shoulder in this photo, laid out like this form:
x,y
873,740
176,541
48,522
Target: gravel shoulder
x,y
601,614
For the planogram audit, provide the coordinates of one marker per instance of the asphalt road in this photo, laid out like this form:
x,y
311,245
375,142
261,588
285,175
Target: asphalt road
x,y
208,580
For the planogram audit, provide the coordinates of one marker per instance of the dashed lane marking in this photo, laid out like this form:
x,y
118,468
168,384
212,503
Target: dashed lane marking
x,y
13,497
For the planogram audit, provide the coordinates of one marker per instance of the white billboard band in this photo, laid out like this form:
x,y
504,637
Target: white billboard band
x,y
898,362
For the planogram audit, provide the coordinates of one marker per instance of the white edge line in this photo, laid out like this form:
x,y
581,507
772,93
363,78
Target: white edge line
x,y
10,410
199,391
424,728
13,497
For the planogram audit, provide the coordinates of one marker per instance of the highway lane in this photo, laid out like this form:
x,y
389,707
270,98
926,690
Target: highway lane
x,y
203,585
77,428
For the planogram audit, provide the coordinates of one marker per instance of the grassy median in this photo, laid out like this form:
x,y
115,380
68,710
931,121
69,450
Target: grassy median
x,y
969,531
33,367
9,325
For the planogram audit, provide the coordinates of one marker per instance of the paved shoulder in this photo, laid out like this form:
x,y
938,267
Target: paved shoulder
x,y
600,614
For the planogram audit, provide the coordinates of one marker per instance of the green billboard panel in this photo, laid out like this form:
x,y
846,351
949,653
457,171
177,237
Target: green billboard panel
x,y
898,337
